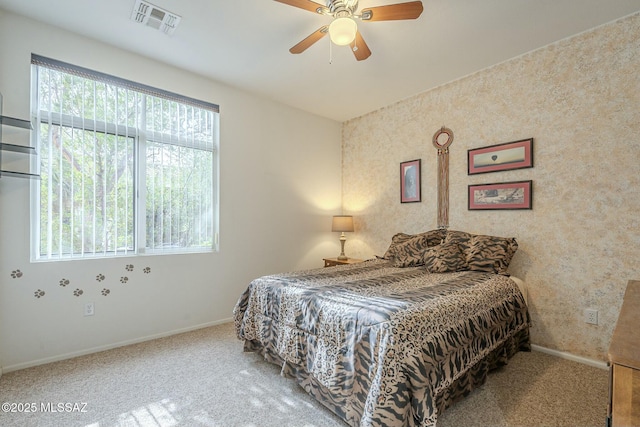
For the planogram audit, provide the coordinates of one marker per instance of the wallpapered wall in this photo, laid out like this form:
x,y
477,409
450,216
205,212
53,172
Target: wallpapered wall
x,y
580,100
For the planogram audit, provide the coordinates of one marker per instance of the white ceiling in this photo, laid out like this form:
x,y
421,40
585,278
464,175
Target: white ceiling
x,y
245,43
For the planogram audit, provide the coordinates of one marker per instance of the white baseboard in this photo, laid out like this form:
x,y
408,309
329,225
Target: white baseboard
x,y
569,356
71,355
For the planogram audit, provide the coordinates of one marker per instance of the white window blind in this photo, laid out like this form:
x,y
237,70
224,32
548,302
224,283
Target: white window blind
x,y
125,168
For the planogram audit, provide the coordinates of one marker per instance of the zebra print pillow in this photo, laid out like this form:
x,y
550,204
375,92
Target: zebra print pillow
x,y
444,258
409,252
484,253
434,237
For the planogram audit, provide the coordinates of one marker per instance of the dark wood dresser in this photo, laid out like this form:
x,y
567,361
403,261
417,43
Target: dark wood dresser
x,y
624,359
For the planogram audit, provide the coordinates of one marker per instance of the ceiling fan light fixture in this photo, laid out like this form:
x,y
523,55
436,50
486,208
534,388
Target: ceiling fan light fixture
x,y
343,31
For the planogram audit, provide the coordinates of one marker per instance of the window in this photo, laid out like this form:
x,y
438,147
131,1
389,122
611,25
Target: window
x,y
125,168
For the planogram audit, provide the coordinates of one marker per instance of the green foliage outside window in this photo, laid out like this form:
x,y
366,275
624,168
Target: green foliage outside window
x,y
100,145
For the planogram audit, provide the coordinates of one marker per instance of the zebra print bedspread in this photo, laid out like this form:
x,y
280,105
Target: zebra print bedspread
x,y
380,345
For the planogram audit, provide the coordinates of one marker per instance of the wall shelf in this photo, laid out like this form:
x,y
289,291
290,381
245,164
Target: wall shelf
x,y
15,174
17,148
25,126
11,121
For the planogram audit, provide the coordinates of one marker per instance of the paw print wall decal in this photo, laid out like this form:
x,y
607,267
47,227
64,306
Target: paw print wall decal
x,y
16,274
39,293
64,282
124,279
100,277
147,270
78,292
105,292
129,267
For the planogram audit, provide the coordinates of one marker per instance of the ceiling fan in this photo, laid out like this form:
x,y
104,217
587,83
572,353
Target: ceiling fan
x,y
343,29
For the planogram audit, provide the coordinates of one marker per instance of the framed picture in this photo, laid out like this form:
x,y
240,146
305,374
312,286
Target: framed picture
x,y
410,181
504,195
501,157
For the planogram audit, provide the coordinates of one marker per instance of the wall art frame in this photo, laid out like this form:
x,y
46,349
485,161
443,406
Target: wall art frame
x,y
500,157
410,179
501,196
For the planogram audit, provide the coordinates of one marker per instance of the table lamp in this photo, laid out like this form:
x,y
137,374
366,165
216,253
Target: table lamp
x,y
342,223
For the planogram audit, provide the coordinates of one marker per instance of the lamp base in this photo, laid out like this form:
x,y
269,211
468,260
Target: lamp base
x,y
342,256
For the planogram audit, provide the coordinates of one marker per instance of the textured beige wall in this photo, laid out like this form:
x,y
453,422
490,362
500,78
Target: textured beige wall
x,y
580,244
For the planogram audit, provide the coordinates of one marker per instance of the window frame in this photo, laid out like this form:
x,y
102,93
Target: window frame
x,y
140,136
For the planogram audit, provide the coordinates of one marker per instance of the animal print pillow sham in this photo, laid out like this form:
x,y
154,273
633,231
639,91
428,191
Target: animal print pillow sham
x,y
458,251
432,238
444,258
484,253
409,252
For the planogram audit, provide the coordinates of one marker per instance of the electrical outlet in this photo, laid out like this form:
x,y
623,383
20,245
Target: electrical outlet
x,y
591,316
89,309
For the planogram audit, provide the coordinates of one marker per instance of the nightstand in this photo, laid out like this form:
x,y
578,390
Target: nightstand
x,y
330,262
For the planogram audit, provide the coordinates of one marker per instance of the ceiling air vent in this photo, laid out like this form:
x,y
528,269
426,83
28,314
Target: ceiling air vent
x,y
155,17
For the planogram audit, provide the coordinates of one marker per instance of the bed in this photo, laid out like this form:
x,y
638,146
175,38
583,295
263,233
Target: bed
x,y
394,340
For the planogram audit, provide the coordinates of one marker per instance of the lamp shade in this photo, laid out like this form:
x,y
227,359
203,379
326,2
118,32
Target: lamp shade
x,y
342,223
343,31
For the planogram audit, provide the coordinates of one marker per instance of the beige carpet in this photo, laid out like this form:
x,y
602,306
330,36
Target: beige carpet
x,y
203,378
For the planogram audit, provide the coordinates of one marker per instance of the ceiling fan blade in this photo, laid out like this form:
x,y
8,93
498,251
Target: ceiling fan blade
x,y
410,10
314,37
360,48
309,5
